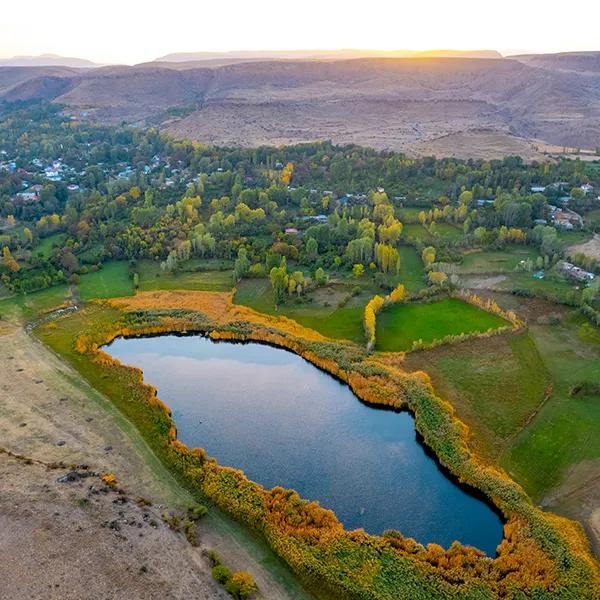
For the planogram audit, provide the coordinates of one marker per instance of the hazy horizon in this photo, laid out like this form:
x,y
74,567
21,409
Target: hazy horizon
x,y
129,33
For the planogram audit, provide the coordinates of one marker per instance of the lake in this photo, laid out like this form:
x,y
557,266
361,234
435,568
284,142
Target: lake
x,y
284,422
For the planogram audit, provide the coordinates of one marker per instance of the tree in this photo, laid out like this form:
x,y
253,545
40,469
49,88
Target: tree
x,y
312,249
358,270
370,319
437,277
69,261
388,258
360,250
390,232
279,283
28,235
241,265
320,276
398,293
9,262
466,198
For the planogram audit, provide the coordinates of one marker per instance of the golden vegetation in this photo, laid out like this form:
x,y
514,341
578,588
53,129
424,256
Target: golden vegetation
x,y
540,554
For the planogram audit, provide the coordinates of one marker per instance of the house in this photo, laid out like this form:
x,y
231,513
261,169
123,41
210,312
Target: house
x,y
560,219
538,189
574,272
565,218
26,197
483,202
316,218
586,188
538,275
540,222
291,231
352,200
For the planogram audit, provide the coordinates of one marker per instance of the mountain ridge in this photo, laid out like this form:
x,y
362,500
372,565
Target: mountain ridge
x,y
387,103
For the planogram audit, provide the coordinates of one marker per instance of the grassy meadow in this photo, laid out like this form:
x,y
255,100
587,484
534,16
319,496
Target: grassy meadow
x,y
111,281
322,313
45,245
399,325
495,261
411,269
512,390
29,306
213,278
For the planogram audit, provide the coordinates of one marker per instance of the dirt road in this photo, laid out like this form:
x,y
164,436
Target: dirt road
x,y
48,413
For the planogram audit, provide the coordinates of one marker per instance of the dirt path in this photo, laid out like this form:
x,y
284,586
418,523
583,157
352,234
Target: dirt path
x,y
590,248
48,413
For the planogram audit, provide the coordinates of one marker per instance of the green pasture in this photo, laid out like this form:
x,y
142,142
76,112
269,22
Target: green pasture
x,y
152,277
399,325
321,313
111,281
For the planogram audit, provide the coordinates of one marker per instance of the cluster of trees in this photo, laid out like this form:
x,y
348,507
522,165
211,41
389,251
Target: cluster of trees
x,y
181,200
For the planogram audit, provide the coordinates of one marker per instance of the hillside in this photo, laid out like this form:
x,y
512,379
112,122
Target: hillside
x,y
415,105
47,60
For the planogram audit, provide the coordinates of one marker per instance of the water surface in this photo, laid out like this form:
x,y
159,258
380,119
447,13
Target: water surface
x,y
284,422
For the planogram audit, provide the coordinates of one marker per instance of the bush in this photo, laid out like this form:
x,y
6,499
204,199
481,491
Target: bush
x,y
221,574
241,585
197,511
213,558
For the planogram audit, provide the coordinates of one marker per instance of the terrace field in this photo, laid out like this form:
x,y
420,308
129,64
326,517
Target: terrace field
x,y
399,325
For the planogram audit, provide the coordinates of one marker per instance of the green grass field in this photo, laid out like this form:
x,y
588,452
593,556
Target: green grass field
x,y
448,231
408,214
152,277
566,431
499,384
411,269
110,282
30,305
556,287
569,238
399,325
416,231
322,314
495,384
45,245
495,261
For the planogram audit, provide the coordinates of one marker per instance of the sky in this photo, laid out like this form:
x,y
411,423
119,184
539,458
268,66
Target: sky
x,y
131,31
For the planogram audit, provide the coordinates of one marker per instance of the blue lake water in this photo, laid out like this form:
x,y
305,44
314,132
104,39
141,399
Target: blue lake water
x,y
284,422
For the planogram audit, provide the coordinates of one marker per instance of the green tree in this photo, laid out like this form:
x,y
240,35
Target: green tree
x,y
279,282
320,277
312,249
241,265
